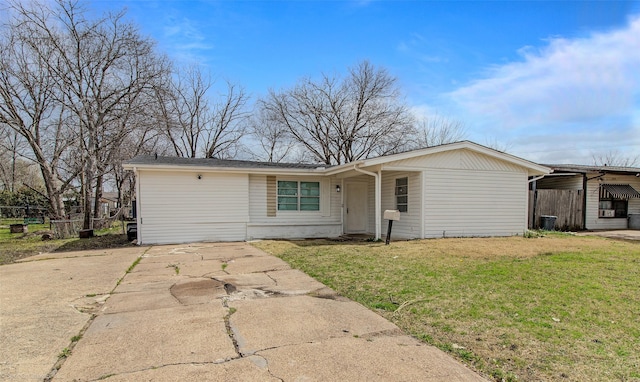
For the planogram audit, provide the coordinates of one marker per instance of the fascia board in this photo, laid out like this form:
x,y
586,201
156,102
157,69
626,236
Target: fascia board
x,y
265,171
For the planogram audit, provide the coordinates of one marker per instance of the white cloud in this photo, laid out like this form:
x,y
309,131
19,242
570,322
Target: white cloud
x,y
584,91
413,47
184,38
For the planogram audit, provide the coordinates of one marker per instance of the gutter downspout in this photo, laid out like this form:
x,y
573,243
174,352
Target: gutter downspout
x,y
585,184
138,209
378,197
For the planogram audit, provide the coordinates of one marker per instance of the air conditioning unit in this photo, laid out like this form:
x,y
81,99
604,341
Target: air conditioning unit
x,y
607,213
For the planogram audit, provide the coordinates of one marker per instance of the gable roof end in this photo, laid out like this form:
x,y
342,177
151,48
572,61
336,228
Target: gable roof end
x,y
533,168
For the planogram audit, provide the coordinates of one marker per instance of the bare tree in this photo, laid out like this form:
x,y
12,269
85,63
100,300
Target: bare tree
x,y
338,120
228,123
28,107
184,110
95,72
274,142
145,139
438,130
9,158
193,123
16,170
615,158
502,146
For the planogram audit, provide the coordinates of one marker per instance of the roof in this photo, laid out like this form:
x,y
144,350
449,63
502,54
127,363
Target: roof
x,y
163,161
204,164
534,168
588,168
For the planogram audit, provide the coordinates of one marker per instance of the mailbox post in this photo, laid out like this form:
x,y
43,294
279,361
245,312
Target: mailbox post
x,y
390,215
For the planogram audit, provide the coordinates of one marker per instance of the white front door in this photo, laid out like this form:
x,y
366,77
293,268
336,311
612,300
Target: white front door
x,y
356,208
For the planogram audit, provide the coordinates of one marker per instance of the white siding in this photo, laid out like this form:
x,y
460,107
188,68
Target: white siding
x,y
409,226
474,203
593,199
177,207
459,159
295,224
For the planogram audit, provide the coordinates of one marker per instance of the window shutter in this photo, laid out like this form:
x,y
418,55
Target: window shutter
x,y
271,196
325,197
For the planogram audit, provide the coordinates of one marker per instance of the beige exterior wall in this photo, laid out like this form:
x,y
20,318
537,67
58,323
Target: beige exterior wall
x,y
409,226
294,224
458,193
462,203
177,207
453,193
464,193
458,159
593,199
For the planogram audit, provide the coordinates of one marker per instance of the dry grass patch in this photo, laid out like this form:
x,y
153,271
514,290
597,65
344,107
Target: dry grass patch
x,y
551,308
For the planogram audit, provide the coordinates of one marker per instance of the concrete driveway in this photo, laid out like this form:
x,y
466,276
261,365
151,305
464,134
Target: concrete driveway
x,y
208,311
624,234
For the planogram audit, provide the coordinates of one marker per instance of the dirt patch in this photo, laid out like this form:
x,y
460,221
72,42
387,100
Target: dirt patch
x,y
198,292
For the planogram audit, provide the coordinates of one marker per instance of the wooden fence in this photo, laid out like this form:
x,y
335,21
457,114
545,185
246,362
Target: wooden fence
x,y
567,205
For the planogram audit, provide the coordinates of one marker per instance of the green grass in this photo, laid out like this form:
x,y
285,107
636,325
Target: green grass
x,y
15,246
550,308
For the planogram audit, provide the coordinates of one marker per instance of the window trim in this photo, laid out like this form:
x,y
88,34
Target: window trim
x,y
403,207
299,197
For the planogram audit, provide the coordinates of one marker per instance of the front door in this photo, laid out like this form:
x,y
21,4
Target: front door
x,y
356,208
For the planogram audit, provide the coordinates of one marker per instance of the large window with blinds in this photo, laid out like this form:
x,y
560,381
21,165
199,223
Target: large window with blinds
x,y
298,196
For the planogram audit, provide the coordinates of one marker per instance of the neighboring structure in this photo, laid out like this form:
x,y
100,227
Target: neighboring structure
x,y
458,189
109,204
596,197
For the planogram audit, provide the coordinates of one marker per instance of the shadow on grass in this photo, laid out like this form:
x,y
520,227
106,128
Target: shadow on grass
x,y
352,241
96,242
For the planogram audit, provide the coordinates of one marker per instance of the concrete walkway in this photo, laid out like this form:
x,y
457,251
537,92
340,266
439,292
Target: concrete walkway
x,y
205,312
624,234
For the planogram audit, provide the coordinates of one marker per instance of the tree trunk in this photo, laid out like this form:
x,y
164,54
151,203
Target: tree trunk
x,y
88,176
56,202
97,211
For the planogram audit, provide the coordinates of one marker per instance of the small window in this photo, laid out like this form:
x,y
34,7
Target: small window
x,y
298,196
402,194
610,206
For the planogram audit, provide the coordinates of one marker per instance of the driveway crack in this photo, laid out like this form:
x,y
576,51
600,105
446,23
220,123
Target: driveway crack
x,y
271,277
227,325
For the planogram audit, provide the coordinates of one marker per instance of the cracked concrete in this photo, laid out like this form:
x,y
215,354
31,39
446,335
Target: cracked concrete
x,y
47,299
183,315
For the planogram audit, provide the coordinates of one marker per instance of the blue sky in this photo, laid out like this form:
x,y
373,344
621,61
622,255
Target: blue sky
x,y
553,81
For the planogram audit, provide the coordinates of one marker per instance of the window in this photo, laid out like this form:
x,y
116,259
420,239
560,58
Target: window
x,y
402,192
298,196
611,206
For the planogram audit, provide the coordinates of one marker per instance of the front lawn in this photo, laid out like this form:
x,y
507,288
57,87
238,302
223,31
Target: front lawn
x,y
531,309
